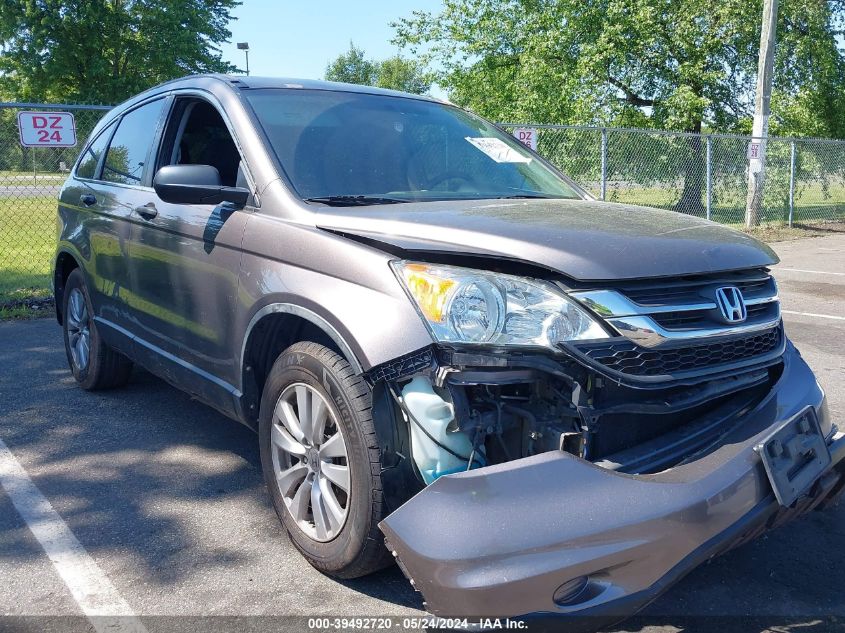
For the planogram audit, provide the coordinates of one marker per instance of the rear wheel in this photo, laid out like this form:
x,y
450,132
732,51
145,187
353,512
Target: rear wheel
x,y
94,364
320,458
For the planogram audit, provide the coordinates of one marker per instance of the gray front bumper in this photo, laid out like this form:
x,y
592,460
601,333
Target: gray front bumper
x,y
499,541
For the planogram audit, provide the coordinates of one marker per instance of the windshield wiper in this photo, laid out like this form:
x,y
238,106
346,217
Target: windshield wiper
x,y
354,201
527,195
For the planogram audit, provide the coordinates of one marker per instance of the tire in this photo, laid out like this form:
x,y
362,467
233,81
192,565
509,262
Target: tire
x,y
354,546
101,367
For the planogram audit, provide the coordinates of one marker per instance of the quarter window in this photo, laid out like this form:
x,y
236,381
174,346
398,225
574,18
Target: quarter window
x,y
89,160
130,145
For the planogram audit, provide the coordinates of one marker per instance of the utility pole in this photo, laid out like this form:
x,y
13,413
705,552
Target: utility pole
x,y
762,110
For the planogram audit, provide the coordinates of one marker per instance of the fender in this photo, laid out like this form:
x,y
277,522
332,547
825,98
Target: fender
x,y
308,315
63,249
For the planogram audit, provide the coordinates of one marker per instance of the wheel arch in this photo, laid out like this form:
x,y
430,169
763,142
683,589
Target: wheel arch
x,y
64,265
271,330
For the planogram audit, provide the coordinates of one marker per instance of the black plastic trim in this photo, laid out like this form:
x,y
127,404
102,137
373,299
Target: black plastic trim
x,y
688,377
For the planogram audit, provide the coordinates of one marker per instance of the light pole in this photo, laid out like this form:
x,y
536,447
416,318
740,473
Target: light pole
x,y
244,46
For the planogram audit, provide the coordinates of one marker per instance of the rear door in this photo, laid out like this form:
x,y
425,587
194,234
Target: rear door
x,y
111,177
185,259
96,228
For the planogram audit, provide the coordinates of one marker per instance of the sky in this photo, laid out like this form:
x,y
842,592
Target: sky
x,y
298,39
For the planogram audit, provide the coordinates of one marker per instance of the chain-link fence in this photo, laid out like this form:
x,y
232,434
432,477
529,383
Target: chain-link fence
x,y
704,175
30,178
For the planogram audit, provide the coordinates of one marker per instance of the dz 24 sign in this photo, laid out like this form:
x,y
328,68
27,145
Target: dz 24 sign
x,y
47,129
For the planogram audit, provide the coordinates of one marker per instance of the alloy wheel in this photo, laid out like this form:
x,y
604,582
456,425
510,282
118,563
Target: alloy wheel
x,y
310,462
78,329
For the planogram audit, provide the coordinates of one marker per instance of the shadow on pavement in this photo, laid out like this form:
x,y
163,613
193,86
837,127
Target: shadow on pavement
x,y
169,493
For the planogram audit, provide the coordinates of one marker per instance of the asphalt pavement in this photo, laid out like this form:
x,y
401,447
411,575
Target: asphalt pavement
x,y
165,498
29,191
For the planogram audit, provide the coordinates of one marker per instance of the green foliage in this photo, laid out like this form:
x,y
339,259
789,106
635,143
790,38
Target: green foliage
x,y
671,64
810,70
398,73
352,67
106,50
395,73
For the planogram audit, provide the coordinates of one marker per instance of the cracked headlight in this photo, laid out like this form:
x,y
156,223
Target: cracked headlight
x,y
463,305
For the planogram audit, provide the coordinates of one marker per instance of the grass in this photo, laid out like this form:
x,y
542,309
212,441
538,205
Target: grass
x,y
27,243
28,227
813,203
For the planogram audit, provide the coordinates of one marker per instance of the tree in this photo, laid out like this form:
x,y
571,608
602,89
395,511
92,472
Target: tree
x,y
407,75
107,50
352,67
395,73
671,64
809,87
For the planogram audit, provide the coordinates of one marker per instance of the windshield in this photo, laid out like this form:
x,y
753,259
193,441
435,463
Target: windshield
x,y
345,148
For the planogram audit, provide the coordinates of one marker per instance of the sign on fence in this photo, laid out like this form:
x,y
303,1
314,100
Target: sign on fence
x,y
526,136
47,129
754,150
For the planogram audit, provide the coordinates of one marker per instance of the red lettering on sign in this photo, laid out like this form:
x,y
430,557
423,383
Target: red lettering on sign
x,y
45,136
46,129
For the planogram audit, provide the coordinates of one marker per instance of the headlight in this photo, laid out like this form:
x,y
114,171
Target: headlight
x,y
463,305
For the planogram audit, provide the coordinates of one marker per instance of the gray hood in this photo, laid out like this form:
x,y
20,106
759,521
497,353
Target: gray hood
x,y
584,240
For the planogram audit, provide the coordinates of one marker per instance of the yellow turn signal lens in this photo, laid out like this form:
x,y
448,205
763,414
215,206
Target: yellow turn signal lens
x,y
429,290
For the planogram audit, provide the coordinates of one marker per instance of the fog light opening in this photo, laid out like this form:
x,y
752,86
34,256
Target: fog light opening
x,y
569,591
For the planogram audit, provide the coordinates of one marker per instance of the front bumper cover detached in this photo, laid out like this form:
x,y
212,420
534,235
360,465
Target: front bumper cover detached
x,y
555,536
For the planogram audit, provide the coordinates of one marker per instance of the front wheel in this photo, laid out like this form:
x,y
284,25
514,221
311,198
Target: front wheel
x,y
320,458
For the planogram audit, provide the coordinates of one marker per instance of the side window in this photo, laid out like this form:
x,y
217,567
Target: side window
x,y
87,166
198,135
130,145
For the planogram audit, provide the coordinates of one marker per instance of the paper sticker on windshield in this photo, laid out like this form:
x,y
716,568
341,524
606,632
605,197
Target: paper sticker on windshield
x,y
498,150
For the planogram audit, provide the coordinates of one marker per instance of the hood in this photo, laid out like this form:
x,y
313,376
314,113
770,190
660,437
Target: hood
x,y
582,239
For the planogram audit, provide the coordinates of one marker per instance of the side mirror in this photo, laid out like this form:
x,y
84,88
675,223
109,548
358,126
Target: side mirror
x,y
196,184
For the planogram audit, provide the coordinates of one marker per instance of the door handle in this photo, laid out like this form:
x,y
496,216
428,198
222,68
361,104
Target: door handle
x,y
147,211
88,199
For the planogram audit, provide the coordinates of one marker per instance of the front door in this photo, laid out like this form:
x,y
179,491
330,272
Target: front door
x,y
185,260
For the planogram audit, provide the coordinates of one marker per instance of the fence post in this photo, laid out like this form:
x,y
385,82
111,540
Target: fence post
x,y
709,159
603,163
791,183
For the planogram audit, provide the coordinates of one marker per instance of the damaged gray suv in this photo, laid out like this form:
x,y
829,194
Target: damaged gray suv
x,y
539,404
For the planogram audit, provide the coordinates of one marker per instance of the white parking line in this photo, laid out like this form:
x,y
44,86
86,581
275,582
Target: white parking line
x,y
812,272
90,587
813,314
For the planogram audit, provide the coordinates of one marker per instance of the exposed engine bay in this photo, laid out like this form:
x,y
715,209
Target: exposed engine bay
x,y
661,387
465,410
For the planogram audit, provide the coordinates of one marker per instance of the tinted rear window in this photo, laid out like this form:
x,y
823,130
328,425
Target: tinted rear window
x,y
131,143
89,160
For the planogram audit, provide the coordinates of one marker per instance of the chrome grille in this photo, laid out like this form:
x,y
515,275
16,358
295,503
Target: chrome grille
x,y
701,318
654,313
689,288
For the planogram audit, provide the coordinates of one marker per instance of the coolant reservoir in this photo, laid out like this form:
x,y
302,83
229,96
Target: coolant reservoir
x,y
433,413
